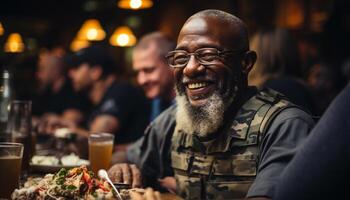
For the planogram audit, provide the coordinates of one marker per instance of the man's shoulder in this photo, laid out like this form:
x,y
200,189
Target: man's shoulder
x,y
289,123
284,108
162,128
292,115
275,109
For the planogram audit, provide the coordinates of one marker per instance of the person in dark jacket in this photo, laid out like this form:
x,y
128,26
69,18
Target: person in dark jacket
x,y
320,169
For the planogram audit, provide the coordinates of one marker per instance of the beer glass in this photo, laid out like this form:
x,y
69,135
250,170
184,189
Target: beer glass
x,y
10,167
100,151
20,129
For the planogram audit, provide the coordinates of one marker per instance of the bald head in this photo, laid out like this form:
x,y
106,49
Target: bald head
x,y
230,30
221,58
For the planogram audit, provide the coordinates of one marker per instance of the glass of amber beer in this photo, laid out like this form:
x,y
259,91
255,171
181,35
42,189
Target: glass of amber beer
x,y
100,151
10,167
19,125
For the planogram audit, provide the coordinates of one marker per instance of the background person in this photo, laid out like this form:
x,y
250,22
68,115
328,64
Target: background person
x,y
156,79
322,80
153,72
320,169
278,66
55,99
119,107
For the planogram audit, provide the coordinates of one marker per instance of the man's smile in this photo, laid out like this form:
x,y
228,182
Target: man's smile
x,y
199,90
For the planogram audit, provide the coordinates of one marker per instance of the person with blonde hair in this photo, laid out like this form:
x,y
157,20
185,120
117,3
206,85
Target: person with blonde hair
x,y
278,66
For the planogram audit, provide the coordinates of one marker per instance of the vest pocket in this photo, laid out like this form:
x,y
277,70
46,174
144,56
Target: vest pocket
x,y
238,165
188,187
227,189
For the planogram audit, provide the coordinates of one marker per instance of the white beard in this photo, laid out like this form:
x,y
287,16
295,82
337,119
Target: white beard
x,y
204,120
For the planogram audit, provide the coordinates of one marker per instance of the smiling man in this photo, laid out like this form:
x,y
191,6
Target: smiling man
x,y
224,139
153,73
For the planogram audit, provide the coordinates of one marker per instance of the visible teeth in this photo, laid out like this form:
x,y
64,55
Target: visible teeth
x,y
196,85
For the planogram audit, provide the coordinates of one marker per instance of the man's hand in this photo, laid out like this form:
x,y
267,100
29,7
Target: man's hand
x,y
169,183
149,195
125,173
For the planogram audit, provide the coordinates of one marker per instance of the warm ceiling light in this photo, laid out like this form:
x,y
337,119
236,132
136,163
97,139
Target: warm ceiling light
x,y
14,43
91,30
1,29
78,44
135,4
122,37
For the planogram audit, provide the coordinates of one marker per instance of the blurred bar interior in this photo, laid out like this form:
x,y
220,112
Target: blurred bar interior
x,y
28,26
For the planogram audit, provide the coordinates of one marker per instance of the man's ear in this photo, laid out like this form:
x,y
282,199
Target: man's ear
x,y
248,61
96,72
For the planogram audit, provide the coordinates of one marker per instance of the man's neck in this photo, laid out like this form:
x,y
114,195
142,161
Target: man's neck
x,y
243,95
100,88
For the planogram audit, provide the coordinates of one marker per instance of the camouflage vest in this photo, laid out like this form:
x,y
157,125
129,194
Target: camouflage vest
x,y
226,167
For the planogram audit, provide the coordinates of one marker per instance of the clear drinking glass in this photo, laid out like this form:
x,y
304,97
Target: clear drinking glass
x,y
20,128
100,151
10,167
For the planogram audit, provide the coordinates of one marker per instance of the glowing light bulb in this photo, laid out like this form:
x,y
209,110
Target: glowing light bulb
x,y
91,30
135,4
14,43
91,34
123,37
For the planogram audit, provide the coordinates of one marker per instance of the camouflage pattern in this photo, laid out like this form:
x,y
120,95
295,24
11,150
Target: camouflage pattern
x,y
227,190
190,187
227,167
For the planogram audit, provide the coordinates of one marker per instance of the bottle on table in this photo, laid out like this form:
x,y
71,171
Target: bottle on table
x,y
5,100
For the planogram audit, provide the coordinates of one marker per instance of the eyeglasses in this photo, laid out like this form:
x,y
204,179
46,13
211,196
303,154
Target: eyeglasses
x,y
205,56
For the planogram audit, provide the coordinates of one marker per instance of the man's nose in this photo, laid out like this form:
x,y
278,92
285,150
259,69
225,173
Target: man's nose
x,y
193,67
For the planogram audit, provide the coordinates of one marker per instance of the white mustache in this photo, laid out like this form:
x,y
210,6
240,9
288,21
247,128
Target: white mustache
x,y
185,79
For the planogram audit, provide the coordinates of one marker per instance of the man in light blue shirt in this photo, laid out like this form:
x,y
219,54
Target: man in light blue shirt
x,y
156,79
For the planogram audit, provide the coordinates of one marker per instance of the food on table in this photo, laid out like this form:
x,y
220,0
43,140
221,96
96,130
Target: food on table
x,y
44,160
73,159
77,183
68,160
63,132
74,184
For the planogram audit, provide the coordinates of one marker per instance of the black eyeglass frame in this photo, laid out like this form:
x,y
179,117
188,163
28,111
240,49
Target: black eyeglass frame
x,y
220,54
